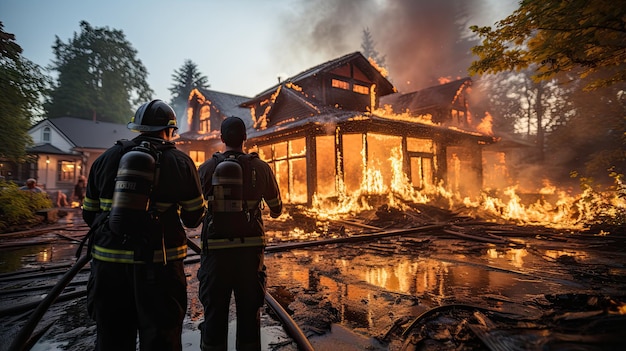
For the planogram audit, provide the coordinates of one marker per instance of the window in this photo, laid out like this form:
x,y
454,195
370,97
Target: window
x,y
361,89
336,83
46,134
197,156
205,119
288,160
66,171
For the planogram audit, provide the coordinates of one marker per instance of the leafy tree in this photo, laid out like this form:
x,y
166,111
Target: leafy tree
x,y
186,78
99,76
592,144
528,109
580,36
369,48
23,85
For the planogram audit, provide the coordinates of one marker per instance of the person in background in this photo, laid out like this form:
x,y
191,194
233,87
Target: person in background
x,y
61,199
137,283
79,190
235,265
31,185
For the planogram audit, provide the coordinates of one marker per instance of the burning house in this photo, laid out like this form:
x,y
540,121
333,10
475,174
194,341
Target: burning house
x,y
341,128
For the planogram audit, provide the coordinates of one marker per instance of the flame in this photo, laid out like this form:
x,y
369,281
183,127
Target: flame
x,y
382,70
553,207
486,124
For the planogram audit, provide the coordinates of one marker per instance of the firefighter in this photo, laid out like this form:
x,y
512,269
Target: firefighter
x,y
137,283
234,263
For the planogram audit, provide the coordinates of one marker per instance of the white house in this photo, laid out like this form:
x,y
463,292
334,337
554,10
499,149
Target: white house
x,y
64,149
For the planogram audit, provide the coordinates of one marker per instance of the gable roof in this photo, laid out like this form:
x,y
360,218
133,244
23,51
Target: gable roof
x,y
228,104
384,86
46,149
443,95
85,133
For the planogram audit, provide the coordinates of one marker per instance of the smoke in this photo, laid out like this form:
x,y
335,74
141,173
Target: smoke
x,y
422,40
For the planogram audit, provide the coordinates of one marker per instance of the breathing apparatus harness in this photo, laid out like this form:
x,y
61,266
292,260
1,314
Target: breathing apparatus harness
x,y
233,180
133,214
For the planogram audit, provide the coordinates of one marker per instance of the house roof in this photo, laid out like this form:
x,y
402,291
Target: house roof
x,y
228,104
384,86
46,149
432,97
350,119
85,133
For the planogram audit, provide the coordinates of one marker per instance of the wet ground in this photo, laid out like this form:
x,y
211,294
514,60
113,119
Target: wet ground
x,y
374,282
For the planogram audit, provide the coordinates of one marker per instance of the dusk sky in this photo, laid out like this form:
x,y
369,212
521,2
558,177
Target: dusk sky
x,y
242,46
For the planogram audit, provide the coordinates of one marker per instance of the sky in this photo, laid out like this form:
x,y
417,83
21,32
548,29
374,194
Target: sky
x,y
243,46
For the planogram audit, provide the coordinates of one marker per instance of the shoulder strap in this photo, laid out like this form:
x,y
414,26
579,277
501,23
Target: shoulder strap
x,y
126,144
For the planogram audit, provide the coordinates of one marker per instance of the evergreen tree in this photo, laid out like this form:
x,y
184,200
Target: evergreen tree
x,y
186,78
369,48
99,76
23,85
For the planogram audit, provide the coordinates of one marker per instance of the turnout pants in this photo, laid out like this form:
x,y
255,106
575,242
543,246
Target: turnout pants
x,y
125,299
223,272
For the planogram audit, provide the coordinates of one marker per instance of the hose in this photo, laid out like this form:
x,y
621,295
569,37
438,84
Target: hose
x,y
288,323
21,339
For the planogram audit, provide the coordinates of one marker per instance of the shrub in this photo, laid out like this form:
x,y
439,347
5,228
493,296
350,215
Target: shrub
x,y
18,207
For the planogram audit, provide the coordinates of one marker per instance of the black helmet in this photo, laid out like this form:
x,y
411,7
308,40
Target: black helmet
x,y
153,116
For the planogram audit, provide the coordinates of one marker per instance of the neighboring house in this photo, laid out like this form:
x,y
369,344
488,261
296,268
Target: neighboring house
x,y
64,149
326,131
206,110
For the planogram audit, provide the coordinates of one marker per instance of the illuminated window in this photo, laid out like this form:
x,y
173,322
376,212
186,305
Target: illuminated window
x,y
205,119
66,171
361,89
46,134
421,171
419,145
198,157
340,84
288,160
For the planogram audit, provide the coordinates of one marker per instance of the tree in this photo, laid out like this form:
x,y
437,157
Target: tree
x,y
369,48
592,144
23,86
186,78
99,76
586,37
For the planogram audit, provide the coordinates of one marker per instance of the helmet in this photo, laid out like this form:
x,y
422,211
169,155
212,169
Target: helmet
x,y
153,116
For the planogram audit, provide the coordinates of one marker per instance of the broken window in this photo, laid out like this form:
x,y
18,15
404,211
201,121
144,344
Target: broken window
x,y
352,159
420,153
379,166
288,160
325,158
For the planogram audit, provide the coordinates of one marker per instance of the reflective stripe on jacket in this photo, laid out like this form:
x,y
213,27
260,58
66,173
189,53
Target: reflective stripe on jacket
x,y
213,244
128,256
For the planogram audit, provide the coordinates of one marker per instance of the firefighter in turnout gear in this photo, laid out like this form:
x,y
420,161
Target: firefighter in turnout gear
x,y
235,185
138,193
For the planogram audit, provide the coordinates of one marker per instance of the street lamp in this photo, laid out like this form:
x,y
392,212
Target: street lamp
x,y
47,163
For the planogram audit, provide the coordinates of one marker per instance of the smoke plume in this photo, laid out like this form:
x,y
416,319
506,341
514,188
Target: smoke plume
x,y
422,40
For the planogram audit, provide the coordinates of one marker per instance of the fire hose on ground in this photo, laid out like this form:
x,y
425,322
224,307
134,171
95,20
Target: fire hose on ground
x,y
23,340
288,323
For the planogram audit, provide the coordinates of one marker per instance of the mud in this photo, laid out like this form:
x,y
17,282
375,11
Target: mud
x,y
471,284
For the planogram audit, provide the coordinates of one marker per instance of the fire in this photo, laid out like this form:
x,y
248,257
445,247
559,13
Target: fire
x,y
486,124
553,207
